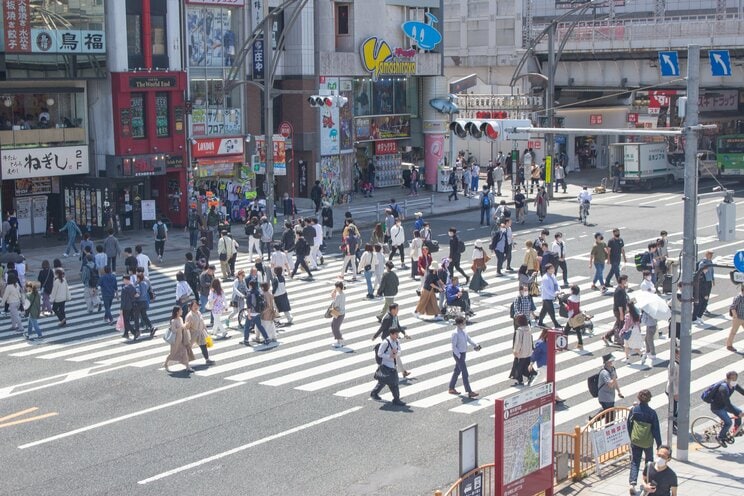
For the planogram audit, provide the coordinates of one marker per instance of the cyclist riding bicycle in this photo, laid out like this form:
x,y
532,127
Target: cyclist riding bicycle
x,y
585,199
721,405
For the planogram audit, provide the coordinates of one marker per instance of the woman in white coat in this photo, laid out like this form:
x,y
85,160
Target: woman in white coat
x,y
60,295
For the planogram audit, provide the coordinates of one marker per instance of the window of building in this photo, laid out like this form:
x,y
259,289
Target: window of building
x,y
158,35
216,111
212,36
137,104
162,128
342,19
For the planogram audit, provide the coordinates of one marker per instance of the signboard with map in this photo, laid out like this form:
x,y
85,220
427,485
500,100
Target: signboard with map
x,y
524,431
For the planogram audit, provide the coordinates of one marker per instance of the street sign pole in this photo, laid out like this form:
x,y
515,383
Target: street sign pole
x,y
268,112
689,249
550,109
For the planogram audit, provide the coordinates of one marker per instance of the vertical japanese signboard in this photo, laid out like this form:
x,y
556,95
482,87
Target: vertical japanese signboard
x,y
17,26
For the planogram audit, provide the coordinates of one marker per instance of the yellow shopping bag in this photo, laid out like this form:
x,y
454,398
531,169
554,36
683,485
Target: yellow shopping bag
x,y
210,341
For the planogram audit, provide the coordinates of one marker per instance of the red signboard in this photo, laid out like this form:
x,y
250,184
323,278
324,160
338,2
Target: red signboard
x,y
285,129
17,25
214,147
658,99
633,117
595,119
534,144
386,147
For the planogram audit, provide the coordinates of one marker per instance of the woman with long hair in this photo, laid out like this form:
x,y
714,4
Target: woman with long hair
x,y
269,313
198,330
281,298
46,279
216,304
522,351
180,349
59,296
378,235
427,304
633,343
239,294
338,311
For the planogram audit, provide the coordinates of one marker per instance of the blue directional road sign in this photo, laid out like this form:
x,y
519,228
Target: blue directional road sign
x,y
669,63
739,260
720,62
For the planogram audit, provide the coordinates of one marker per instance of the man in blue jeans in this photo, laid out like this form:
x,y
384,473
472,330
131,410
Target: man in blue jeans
x,y
643,430
460,340
721,405
253,315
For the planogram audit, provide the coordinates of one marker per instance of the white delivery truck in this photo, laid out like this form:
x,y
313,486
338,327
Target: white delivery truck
x,y
645,164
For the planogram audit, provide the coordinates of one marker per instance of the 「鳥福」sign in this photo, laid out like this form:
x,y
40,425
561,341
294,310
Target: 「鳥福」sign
x,y
40,162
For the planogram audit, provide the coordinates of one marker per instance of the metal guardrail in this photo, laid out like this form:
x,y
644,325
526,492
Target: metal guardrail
x,y
423,203
577,445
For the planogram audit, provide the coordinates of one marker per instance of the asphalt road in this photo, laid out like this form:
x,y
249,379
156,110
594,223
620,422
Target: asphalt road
x,y
120,426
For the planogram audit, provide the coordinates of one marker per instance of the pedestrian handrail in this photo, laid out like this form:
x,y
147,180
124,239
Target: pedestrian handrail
x,y
578,444
488,471
424,203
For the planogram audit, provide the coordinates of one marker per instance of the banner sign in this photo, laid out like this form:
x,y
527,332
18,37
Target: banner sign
x,y
34,186
378,127
280,155
719,101
658,99
213,147
386,147
207,122
258,58
329,118
17,26
379,60
40,162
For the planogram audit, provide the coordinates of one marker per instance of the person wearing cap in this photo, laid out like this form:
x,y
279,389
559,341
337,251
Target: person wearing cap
x,y
388,352
460,340
427,304
607,386
598,260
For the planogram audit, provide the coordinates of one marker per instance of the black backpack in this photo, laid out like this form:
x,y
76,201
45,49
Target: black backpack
x,y
260,305
378,358
461,246
161,231
592,383
193,222
93,277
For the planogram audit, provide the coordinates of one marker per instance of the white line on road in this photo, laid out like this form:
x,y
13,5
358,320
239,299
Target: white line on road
x,y
253,444
128,416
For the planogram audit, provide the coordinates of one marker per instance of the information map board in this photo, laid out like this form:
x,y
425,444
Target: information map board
x,y
524,441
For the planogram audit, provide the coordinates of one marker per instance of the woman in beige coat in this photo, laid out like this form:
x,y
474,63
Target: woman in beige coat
x,y
198,330
60,295
530,258
180,349
522,350
269,313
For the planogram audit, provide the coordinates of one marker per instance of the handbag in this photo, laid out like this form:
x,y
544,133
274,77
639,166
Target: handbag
x,y
534,289
384,374
328,313
208,341
184,299
223,257
335,312
169,336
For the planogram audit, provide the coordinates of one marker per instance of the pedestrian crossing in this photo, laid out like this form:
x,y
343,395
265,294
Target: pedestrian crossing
x,y
304,359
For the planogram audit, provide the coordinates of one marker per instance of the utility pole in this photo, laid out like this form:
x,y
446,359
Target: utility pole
x,y
689,249
550,110
269,111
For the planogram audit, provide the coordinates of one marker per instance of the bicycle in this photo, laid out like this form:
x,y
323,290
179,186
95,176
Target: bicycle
x,y
584,212
705,430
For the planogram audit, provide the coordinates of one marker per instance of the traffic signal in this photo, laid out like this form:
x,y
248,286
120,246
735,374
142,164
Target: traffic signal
x,y
327,101
477,129
320,101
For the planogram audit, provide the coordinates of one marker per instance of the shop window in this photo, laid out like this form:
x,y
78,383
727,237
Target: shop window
x,y
362,98
162,128
211,36
29,118
134,41
342,19
216,111
158,11
137,104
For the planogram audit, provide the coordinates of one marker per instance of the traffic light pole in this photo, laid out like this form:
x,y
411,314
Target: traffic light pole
x,y
550,111
689,248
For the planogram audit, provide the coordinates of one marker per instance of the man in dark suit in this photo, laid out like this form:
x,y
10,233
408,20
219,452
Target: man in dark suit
x,y
128,297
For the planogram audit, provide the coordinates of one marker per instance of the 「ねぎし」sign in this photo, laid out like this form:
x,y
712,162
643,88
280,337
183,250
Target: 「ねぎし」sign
x,y
41,162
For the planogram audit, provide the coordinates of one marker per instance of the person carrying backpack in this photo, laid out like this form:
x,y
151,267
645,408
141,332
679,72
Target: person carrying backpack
x,y
161,234
486,203
255,304
607,385
89,276
643,430
719,397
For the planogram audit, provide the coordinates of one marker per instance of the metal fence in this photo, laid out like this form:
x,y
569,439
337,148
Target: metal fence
x,y
409,206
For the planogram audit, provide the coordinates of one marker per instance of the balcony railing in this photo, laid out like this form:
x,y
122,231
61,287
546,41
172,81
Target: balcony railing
x,y
623,34
42,137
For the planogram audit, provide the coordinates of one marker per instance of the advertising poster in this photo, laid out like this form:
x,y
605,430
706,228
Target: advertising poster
x,y
210,39
345,117
329,119
330,176
382,127
433,156
280,155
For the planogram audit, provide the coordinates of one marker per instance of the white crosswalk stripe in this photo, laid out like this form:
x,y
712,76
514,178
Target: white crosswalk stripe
x,y
304,359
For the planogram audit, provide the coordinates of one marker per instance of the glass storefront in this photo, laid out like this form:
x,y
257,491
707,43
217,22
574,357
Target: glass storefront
x,y
395,95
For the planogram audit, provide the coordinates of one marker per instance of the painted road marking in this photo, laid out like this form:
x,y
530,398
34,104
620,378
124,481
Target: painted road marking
x,y
4,420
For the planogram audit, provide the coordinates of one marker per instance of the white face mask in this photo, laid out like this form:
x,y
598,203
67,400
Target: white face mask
x,y
732,384
523,293
660,462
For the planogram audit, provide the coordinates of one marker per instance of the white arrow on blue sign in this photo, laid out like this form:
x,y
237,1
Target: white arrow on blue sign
x,y
669,63
720,62
739,260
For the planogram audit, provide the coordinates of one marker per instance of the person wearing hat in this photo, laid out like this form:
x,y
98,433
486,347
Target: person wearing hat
x,y
607,386
418,225
427,304
387,374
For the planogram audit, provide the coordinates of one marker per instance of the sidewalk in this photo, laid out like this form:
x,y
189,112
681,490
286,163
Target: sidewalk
x,y
707,472
48,247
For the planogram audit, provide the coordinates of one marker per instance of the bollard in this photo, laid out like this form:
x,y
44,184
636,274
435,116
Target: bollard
x,y
437,493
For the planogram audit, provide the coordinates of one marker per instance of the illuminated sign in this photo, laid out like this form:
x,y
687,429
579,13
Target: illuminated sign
x,y
380,60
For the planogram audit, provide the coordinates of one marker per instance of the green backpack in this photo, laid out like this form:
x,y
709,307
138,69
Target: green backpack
x,y
641,435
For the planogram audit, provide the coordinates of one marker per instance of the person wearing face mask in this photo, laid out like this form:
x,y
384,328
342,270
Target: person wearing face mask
x,y
736,310
616,253
643,430
607,386
660,480
721,405
598,259
460,340
559,251
648,285
548,291
498,245
522,305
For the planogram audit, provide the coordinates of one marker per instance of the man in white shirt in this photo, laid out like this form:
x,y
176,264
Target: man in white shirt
x,y
279,259
388,351
585,196
460,340
558,248
142,260
397,241
475,176
315,255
